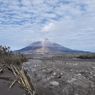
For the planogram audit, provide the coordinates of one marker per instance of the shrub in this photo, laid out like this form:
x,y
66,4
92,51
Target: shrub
x,y
8,57
87,56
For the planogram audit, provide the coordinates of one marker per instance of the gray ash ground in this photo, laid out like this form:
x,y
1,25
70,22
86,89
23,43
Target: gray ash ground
x,y
59,77
6,79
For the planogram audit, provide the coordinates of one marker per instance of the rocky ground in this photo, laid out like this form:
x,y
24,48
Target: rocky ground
x,y
59,77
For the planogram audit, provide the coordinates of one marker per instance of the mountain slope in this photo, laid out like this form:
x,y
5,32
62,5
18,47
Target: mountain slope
x,y
47,47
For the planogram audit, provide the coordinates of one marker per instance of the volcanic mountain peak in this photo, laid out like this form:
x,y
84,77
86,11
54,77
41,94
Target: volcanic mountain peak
x,y
48,47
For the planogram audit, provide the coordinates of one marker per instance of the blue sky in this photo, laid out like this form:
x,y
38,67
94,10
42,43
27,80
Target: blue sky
x,y
68,22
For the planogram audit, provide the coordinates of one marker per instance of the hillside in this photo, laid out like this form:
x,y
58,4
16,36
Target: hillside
x,y
47,47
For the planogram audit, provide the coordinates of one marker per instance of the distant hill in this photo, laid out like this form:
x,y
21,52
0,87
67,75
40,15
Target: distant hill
x,y
47,47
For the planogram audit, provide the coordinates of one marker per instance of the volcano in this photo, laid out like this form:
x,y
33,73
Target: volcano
x,y
47,47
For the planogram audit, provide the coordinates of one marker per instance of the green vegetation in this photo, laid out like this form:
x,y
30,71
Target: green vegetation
x,y
87,56
73,56
8,57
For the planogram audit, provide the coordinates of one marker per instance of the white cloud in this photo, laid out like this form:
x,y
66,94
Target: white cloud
x,y
65,20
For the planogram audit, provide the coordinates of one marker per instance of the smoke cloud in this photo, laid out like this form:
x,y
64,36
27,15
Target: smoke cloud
x,y
48,28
